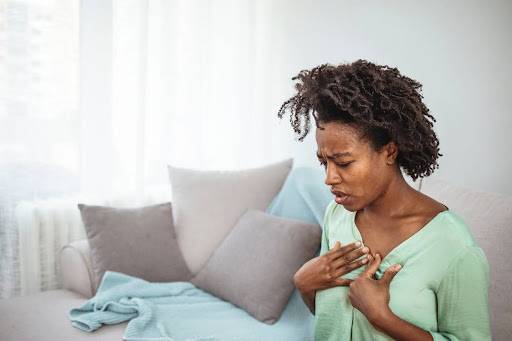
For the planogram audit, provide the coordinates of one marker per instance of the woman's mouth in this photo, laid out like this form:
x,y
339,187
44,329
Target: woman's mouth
x,y
341,198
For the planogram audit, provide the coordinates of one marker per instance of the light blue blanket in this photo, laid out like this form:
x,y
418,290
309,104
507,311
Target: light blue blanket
x,y
177,311
180,311
304,196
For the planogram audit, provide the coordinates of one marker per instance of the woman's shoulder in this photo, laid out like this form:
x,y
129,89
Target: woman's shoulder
x,y
451,226
455,244
454,230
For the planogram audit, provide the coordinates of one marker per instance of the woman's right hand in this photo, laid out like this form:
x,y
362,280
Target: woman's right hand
x,y
323,272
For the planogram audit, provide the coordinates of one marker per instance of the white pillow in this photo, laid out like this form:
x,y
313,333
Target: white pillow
x,y
207,204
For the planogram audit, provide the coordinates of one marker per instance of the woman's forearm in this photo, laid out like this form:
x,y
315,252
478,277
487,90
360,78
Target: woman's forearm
x,y
399,329
309,299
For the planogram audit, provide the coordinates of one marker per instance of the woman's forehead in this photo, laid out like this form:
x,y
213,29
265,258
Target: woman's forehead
x,y
337,140
338,130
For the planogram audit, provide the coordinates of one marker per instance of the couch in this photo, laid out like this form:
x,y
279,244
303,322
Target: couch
x,y
44,316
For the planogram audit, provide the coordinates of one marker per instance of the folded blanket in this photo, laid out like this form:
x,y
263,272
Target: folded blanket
x,y
178,311
121,297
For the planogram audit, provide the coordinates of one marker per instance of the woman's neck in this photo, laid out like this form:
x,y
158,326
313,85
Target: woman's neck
x,y
396,201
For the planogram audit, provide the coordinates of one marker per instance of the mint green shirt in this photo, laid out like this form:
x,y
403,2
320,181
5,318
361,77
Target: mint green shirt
x,y
442,286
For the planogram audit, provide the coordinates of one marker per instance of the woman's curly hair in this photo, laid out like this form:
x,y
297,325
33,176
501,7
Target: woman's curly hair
x,y
377,100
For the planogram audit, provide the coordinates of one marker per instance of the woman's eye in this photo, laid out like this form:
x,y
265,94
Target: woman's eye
x,y
342,165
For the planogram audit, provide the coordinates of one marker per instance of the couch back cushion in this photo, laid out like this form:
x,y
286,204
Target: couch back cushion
x,y
489,216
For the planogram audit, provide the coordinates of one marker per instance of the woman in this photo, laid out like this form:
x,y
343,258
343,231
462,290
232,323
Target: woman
x,y
372,124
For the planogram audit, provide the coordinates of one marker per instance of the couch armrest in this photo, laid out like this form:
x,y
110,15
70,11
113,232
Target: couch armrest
x,y
75,266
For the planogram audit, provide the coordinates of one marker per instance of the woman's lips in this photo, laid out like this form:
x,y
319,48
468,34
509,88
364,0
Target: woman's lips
x,y
341,198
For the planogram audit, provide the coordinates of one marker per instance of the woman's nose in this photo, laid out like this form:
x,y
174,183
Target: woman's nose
x,y
331,175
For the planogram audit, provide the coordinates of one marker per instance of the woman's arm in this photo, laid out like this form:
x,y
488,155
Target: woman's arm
x,y
324,271
462,299
309,299
399,329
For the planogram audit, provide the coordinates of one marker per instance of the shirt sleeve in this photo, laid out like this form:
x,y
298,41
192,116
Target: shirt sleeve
x,y
462,299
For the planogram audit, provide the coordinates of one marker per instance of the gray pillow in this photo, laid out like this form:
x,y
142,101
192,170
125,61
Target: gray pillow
x,y
253,268
138,241
207,204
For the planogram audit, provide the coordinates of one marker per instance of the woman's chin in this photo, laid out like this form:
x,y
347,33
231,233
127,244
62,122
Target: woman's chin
x,y
347,202
350,208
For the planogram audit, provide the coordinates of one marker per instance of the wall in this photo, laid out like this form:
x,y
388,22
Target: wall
x,y
459,51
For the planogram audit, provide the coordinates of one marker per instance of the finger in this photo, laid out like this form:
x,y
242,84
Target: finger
x,y
351,266
390,273
372,266
350,257
335,248
343,250
342,282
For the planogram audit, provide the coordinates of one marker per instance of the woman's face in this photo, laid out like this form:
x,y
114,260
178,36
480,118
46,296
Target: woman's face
x,y
352,166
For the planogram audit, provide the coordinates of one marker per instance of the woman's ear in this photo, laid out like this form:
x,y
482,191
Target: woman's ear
x,y
391,150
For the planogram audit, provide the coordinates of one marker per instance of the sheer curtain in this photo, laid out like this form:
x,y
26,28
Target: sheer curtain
x,y
39,106
193,84
97,97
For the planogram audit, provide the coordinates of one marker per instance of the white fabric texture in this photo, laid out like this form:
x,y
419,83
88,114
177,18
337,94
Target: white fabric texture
x,y
96,97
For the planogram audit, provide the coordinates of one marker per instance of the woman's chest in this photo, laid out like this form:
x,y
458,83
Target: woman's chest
x,y
386,237
411,299
377,242
380,243
412,295
414,305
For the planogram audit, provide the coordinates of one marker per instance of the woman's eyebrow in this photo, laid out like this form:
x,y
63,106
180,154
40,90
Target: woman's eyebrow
x,y
336,155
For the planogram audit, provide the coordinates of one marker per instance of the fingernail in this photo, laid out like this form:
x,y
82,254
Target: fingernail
x,y
358,243
397,267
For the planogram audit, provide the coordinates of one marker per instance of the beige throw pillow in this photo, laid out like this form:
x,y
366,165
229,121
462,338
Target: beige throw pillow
x,y
207,204
253,268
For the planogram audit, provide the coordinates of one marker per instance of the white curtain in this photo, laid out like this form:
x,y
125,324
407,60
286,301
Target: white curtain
x,y
97,97
39,106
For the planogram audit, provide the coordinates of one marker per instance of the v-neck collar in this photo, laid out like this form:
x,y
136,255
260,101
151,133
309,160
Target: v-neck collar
x,y
394,255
